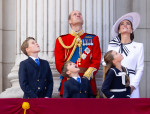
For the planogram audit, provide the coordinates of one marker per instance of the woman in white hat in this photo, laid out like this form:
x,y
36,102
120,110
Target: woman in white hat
x,y
133,52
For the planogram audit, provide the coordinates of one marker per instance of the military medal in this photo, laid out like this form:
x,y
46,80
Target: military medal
x,y
87,50
86,42
91,42
83,42
83,56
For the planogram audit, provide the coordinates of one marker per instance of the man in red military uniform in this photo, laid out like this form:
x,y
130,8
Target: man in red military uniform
x,y
80,48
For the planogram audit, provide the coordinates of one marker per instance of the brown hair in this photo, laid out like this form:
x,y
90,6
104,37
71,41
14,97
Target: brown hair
x,y
108,58
64,69
25,45
69,17
131,35
127,77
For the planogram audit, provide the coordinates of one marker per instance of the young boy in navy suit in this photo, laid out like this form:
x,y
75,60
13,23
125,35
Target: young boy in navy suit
x,y
76,86
35,76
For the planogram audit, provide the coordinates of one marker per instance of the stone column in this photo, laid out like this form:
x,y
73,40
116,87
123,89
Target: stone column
x,y
8,39
46,20
0,45
53,31
122,7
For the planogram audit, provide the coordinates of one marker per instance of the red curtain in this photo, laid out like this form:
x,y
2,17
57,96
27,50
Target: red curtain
x,y
76,106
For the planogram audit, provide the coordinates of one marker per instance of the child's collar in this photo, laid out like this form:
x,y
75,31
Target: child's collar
x,y
76,77
34,57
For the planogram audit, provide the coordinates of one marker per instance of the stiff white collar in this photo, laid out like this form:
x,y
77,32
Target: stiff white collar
x,y
34,58
77,77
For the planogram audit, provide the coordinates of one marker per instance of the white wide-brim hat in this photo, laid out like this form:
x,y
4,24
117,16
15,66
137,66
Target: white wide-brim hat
x,y
133,17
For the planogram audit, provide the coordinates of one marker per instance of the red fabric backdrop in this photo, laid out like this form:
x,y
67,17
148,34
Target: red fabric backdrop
x,y
76,106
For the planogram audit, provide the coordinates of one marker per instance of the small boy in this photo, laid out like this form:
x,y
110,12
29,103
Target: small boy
x,y
76,86
35,76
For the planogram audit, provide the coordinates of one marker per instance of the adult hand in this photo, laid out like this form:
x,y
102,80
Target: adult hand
x,y
132,88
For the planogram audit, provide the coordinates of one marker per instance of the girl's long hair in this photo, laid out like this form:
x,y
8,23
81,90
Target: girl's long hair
x,y
108,58
127,77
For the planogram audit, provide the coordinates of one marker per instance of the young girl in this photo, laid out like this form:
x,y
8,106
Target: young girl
x,y
116,80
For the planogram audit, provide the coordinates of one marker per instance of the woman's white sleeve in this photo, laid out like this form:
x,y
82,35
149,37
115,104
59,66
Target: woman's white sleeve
x,y
139,68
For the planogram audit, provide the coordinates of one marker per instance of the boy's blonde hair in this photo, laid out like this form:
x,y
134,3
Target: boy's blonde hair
x,y
25,45
64,69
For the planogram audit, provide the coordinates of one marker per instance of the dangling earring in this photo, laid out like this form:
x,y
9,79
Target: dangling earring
x,y
119,32
131,32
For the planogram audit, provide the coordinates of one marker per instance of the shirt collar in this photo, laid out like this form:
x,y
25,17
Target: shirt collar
x,y
76,77
80,33
34,58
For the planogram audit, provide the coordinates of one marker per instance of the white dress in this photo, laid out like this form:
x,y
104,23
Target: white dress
x,y
133,54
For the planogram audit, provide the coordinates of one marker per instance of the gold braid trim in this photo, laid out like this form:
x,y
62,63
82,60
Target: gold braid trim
x,y
89,72
73,50
76,41
64,46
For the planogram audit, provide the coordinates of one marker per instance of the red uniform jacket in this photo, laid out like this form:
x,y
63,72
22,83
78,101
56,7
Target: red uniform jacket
x,y
92,58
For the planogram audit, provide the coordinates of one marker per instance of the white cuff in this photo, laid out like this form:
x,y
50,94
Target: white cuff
x,y
128,96
112,97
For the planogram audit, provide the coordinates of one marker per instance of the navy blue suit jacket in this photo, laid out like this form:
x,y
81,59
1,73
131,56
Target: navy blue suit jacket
x,y
73,89
35,81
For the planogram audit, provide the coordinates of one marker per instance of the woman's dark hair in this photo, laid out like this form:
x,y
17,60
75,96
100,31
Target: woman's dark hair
x,y
131,35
